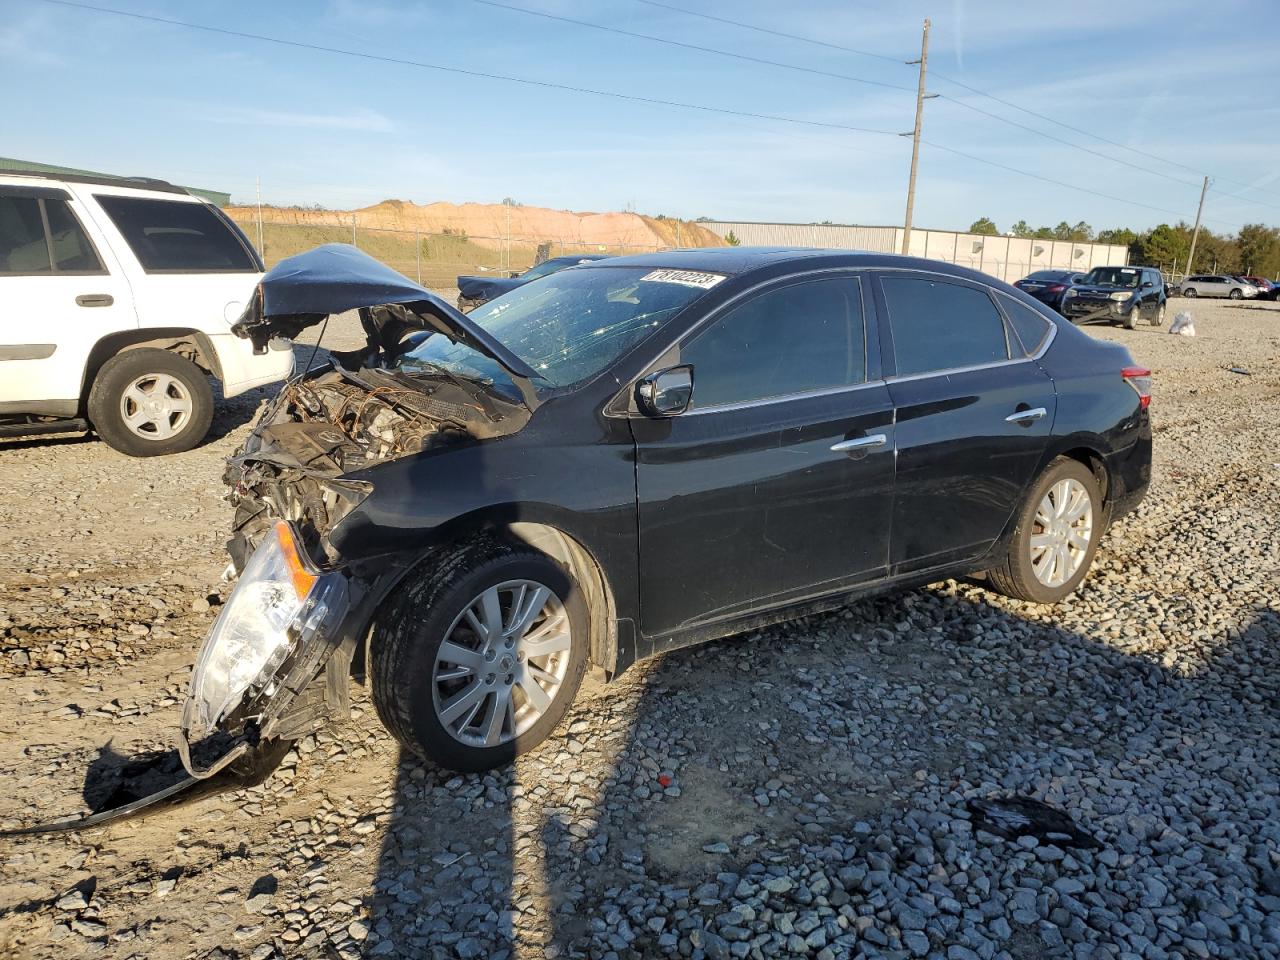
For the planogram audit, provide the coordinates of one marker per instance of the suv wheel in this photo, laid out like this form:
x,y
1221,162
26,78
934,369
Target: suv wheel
x,y
1132,317
1157,318
1055,537
477,659
148,402
1189,292
1235,293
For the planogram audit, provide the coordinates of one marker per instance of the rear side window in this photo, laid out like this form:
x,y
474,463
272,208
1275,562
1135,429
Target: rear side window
x,y
22,243
940,326
42,236
802,337
72,251
172,236
1031,328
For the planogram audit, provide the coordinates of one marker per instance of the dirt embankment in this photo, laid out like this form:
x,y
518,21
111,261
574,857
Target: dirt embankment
x,y
490,224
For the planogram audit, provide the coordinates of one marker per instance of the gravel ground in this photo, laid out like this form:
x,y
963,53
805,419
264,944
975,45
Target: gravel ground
x,y
799,791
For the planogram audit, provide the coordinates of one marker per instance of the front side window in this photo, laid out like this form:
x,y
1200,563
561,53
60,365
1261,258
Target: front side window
x,y
178,237
941,326
22,241
794,339
568,326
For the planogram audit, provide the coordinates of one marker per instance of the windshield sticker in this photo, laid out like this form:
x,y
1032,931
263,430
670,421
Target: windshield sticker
x,y
1127,270
686,278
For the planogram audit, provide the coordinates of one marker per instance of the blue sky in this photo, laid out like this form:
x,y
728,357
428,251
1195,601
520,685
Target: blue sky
x,y
105,92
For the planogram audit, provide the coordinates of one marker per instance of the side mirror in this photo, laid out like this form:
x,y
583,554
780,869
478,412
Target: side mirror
x,y
513,274
666,393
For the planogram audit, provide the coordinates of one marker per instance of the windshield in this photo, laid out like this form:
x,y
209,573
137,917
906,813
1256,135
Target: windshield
x,y
1113,277
568,326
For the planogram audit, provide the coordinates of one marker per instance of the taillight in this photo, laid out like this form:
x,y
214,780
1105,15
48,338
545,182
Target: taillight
x,y
1140,379
1057,288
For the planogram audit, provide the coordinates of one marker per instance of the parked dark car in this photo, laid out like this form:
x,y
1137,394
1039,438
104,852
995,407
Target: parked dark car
x,y
473,291
632,456
1118,295
1049,286
1266,289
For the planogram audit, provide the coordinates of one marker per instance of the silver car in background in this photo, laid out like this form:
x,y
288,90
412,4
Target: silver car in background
x,y
1217,285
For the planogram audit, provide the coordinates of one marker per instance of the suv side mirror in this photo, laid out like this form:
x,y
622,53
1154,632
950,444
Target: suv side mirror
x,y
666,393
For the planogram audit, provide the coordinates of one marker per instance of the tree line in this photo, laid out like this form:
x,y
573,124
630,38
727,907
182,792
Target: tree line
x,y
1254,251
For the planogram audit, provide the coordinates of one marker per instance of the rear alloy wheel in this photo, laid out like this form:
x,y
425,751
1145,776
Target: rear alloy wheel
x,y
477,661
148,402
1157,318
1055,538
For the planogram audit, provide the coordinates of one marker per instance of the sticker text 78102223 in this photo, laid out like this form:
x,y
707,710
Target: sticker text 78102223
x,y
687,278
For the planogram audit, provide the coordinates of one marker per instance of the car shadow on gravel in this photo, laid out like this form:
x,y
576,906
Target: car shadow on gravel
x,y
849,742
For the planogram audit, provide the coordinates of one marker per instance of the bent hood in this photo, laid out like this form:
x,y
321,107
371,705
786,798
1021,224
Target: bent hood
x,y
303,290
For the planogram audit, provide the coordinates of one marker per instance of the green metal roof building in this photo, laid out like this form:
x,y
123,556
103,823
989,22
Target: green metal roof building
x,y
11,165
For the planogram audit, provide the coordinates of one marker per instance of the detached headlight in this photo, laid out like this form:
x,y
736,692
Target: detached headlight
x,y
279,604
1071,292
1121,297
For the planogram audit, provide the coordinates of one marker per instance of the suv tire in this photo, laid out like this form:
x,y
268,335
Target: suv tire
x,y
1189,292
417,685
148,402
1157,318
1235,293
1016,575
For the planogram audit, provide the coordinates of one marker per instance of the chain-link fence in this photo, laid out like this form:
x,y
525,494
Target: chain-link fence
x,y
434,260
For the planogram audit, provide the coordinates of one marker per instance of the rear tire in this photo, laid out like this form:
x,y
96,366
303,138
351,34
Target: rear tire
x,y
425,696
148,402
1189,292
1021,574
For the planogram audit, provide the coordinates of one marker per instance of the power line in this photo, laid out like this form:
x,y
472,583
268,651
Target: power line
x,y
1145,155
692,46
404,62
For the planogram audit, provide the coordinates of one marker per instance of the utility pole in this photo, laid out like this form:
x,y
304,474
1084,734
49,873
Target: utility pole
x,y
257,182
921,97
1195,235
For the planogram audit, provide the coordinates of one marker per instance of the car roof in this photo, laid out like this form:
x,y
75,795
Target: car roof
x,y
741,260
135,183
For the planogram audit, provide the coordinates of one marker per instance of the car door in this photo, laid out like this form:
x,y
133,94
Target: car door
x,y
60,292
777,483
973,414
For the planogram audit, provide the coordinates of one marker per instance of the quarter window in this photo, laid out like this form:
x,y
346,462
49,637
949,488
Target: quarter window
x,y
940,326
1030,327
170,235
794,339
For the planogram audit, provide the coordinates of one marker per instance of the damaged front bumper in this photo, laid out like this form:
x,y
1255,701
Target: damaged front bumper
x,y
276,662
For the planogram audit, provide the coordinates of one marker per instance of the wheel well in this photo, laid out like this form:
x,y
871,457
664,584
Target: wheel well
x,y
192,344
1093,460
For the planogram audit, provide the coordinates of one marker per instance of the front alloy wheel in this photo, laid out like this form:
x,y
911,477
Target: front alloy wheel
x,y
1055,536
479,655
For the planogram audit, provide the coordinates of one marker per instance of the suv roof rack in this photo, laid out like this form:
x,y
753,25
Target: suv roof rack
x,y
143,183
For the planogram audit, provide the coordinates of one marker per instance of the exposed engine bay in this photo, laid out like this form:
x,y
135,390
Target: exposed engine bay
x,y
336,422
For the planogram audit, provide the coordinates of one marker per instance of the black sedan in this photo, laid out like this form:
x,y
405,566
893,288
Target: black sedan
x,y
1048,286
473,291
633,456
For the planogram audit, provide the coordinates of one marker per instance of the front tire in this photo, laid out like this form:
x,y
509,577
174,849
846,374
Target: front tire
x,y
1189,292
1157,318
480,654
1235,294
148,402
1055,536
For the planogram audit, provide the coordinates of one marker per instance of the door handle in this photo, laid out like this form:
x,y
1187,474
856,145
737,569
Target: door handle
x,y
1026,416
95,300
859,443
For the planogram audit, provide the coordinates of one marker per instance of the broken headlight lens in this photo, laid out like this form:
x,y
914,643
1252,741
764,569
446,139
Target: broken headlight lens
x,y
279,604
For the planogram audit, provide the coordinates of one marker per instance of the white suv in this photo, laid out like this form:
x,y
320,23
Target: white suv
x,y
117,298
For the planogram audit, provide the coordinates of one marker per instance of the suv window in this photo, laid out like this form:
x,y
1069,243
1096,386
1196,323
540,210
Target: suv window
x,y
22,243
804,336
72,251
940,326
26,247
169,235
1030,326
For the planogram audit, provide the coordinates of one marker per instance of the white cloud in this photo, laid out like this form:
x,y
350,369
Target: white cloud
x,y
364,121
